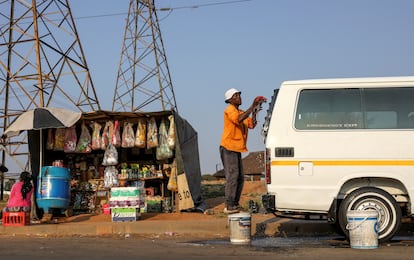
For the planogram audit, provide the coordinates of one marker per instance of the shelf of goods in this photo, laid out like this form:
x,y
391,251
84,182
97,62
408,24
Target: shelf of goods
x,y
113,152
157,198
88,196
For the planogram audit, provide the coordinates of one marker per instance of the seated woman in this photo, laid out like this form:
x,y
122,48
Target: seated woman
x,y
20,194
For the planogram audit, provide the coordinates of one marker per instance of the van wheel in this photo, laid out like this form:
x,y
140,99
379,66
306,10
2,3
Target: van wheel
x,y
370,198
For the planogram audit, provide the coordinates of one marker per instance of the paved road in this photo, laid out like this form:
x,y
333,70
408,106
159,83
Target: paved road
x,y
121,247
206,239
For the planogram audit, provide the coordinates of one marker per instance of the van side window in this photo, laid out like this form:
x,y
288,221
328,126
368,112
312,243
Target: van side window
x,y
329,109
389,108
353,108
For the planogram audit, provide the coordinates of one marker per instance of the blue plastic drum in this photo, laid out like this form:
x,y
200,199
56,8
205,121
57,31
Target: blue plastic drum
x,y
53,190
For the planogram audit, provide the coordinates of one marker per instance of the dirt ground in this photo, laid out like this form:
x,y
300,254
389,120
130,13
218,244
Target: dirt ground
x,y
252,190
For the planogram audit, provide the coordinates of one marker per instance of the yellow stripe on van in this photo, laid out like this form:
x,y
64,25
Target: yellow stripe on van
x,y
348,163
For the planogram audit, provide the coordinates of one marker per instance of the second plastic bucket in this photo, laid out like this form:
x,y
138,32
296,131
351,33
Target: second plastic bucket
x,y
362,227
240,228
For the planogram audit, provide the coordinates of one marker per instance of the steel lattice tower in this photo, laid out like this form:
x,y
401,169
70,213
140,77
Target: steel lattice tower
x,y
143,81
42,64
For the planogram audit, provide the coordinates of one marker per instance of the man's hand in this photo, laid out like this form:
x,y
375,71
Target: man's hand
x,y
257,103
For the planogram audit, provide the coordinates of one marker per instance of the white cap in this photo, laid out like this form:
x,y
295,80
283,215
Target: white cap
x,y
229,93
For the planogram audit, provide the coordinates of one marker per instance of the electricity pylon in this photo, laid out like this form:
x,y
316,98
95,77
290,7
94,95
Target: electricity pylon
x,y
42,64
143,81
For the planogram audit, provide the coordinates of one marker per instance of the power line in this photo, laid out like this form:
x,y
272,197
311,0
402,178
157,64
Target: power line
x,y
169,9
99,16
204,5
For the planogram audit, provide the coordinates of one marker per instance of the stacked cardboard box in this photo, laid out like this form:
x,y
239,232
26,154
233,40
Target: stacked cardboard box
x,y
126,202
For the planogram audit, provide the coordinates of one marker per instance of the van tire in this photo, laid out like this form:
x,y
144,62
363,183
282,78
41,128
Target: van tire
x,y
370,198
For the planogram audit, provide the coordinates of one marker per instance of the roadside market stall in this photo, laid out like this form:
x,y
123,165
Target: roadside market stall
x,y
153,153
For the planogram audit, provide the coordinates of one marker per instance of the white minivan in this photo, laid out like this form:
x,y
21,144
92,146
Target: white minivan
x,y
335,145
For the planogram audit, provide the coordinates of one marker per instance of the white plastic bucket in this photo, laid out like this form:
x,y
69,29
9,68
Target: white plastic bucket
x,y
240,228
362,227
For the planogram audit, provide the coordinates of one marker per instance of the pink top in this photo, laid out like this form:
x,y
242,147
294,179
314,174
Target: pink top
x,y
16,198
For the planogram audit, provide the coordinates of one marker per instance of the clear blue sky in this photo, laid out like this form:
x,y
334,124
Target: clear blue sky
x,y
253,46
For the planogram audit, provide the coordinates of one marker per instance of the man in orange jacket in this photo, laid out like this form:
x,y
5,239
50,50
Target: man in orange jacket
x,y
233,142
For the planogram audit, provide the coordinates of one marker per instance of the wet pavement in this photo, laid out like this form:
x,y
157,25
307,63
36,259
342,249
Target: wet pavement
x,y
334,241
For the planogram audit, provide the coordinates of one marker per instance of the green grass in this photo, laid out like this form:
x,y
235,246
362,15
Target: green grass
x,y
212,190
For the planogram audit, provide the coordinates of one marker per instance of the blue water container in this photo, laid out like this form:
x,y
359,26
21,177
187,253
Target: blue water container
x,y
53,190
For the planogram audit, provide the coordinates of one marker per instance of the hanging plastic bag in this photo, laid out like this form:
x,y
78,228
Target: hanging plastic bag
x,y
110,156
152,133
85,140
172,181
59,139
96,136
171,133
50,144
70,140
116,134
107,134
141,133
104,137
110,177
163,151
128,136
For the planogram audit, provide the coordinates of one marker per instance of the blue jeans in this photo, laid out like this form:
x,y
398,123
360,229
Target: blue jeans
x,y
233,172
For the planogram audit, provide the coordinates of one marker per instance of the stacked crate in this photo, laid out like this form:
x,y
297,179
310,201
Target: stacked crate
x,y
16,218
